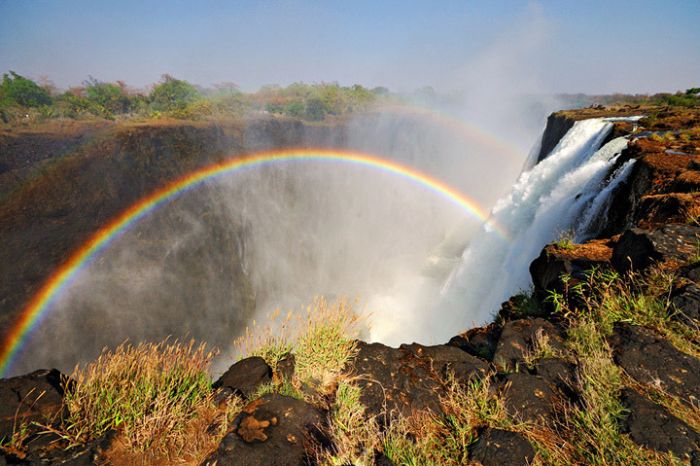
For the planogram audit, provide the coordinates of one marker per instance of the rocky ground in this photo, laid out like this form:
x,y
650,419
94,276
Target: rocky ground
x,y
536,357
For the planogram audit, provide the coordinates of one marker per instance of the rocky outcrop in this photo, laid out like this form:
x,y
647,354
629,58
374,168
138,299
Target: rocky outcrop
x,y
557,126
271,431
410,378
245,376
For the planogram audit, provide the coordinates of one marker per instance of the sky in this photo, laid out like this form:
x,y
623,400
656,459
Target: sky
x,y
542,46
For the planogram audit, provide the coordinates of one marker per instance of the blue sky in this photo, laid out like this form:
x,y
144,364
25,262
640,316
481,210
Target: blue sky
x,y
539,46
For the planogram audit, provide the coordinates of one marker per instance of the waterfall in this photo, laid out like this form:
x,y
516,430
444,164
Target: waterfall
x,y
563,194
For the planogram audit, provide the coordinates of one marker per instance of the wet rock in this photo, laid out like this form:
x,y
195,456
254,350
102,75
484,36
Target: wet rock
x,y
496,447
653,361
653,426
637,249
245,376
35,397
480,341
520,337
528,397
271,431
557,126
410,377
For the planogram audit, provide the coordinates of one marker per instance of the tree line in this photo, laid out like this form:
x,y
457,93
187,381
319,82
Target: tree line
x,y
21,97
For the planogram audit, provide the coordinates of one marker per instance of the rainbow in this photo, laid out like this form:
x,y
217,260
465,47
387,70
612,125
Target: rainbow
x,y
37,308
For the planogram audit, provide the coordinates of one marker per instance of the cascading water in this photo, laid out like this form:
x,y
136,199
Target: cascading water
x,y
564,194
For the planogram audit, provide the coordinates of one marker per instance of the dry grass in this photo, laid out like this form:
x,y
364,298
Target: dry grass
x,y
355,435
322,338
151,394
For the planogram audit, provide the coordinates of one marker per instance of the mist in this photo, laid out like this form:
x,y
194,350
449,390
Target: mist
x,y
212,261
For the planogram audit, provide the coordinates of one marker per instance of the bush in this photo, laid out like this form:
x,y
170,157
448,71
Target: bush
x,y
111,98
16,89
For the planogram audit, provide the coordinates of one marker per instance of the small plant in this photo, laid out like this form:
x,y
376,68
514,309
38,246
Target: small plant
x,y
565,240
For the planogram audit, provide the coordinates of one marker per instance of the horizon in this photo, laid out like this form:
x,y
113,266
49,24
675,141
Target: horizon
x,y
541,47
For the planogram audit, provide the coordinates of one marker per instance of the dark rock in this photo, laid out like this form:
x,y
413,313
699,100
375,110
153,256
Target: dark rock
x,y
49,449
285,368
528,397
557,127
558,373
380,459
653,361
480,341
245,376
271,431
35,397
686,301
409,378
496,447
520,336
637,249
521,306
693,273
661,209
654,427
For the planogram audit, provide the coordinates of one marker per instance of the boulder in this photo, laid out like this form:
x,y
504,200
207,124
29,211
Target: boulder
x,y
245,376
520,337
35,397
496,447
686,301
270,431
479,341
637,249
653,361
558,373
654,427
528,397
553,262
409,378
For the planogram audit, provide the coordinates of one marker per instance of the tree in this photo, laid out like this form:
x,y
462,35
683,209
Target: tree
x,y
173,94
22,91
111,97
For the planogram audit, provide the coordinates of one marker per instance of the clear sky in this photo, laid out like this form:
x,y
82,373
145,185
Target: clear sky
x,y
541,46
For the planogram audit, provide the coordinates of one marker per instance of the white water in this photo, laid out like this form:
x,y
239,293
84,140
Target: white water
x,y
565,193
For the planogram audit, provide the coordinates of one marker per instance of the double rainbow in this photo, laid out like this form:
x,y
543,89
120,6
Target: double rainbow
x,y
37,308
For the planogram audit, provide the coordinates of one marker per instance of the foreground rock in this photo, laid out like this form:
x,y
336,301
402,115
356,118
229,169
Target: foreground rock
x,y
34,397
410,378
497,447
246,376
653,361
271,431
654,427
637,249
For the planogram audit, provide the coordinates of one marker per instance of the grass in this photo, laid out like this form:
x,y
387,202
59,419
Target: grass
x,y
151,394
321,337
565,240
355,435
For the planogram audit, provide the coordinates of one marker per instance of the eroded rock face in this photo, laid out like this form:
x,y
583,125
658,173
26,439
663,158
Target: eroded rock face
x,y
653,426
271,431
637,249
245,376
35,397
653,361
497,447
480,341
409,378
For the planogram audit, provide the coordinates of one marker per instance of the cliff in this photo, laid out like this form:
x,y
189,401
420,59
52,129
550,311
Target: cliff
x,y
600,364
